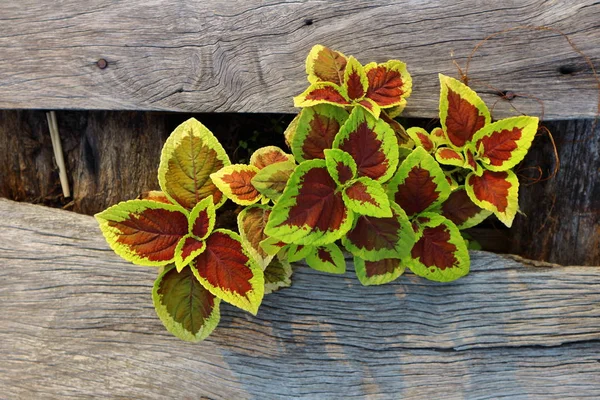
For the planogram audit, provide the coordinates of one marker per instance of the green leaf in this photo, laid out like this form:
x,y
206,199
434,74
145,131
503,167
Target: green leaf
x,y
341,165
229,272
378,272
185,308
144,232
420,184
189,156
440,253
272,179
325,65
365,196
328,258
277,275
311,210
371,143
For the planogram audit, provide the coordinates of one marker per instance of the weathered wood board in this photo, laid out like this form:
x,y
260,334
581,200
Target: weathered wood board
x,y
248,56
78,322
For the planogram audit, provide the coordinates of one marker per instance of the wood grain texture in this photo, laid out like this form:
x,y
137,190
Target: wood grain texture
x,y
78,322
248,56
561,216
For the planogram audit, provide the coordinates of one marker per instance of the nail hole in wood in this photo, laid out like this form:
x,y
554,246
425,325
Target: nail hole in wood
x,y
102,63
308,22
566,69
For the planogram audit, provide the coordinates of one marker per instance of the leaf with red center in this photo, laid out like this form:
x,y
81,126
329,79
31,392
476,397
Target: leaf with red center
x,y
251,224
290,131
311,209
462,112
403,139
341,165
325,65
447,156
229,272
328,258
365,196
371,143
395,111
202,218
272,179
378,272
355,80
438,137
144,232
322,93
497,192
155,195
370,106
235,181
421,138
459,209
297,252
189,156
389,83
471,159
419,184
504,144
188,248
277,275
316,130
440,253
272,246
269,155
377,238
184,306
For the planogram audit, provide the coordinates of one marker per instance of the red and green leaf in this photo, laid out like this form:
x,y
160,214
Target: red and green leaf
x,y
504,144
325,65
495,191
460,209
355,80
328,258
440,253
235,181
311,210
202,219
188,248
184,306
155,195
420,184
272,246
251,224
365,196
190,155
421,138
389,83
290,131
448,156
272,179
371,143
403,139
229,272
322,93
378,272
144,232
297,252
471,159
341,165
374,239
462,112
269,155
278,275
438,137
316,130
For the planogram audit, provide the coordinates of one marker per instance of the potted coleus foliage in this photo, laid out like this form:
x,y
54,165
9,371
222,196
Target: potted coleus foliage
x,y
355,180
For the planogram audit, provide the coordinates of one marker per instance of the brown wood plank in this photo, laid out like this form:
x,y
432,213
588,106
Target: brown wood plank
x,y
248,56
78,322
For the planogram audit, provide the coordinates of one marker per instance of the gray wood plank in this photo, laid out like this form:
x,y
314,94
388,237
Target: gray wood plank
x,y
248,56
77,322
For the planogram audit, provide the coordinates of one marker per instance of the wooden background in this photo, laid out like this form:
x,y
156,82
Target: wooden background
x,y
78,322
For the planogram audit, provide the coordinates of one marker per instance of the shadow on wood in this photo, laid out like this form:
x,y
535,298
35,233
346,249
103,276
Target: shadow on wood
x,y
78,321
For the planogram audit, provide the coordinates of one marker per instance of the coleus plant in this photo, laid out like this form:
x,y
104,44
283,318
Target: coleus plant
x,y
355,180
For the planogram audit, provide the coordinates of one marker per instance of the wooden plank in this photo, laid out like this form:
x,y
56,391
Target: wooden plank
x,y
78,322
248,56
561,216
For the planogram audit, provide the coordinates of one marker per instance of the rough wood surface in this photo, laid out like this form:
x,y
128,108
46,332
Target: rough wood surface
x,y
561,221
78,322
248,56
